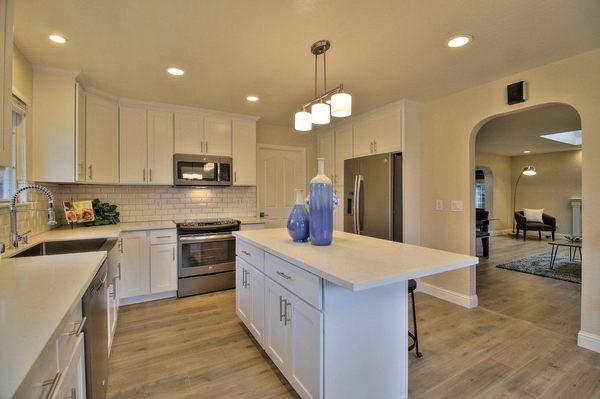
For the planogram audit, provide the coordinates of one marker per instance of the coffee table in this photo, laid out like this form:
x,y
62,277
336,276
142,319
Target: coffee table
x,y
574,246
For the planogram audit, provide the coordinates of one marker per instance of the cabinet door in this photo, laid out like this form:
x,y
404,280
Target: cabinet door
x,y
163,268
363,138
217,136
189,133
343,151
256,286
387,132
135,267
160,147
101,140
6,39
133,149
244,153
326,149
79,133
305,344
242,294
72,385
338,212
276,337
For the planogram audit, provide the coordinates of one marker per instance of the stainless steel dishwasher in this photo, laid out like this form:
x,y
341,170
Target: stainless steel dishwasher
x,y
95,306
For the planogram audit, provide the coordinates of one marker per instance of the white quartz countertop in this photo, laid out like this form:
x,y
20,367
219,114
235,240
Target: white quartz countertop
x,y
36,294
358,262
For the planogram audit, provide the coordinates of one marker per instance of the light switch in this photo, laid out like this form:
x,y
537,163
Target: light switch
x,y
439,205
456,206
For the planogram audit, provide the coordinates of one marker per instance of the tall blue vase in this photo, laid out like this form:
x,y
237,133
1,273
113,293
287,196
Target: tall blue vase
x,y
298,221
321,203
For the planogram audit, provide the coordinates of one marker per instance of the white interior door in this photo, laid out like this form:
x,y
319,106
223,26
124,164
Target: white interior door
x,y
281,170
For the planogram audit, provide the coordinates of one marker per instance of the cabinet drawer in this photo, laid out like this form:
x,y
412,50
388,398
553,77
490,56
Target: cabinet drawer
x,y
302,283
163,237
43,376
67,338
251,254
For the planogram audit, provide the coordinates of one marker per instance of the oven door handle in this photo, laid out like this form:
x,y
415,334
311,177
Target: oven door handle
x,y
207,238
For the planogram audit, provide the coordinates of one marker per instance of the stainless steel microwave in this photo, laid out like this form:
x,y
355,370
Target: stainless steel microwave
x,y
201,170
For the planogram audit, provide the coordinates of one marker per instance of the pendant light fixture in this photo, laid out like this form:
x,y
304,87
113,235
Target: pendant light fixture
x,y
330,103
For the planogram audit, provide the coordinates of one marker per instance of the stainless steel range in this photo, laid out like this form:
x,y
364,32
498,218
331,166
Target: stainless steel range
x,y
206,256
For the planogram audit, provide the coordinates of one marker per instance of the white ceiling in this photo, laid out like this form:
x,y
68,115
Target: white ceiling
x,y
512,134
382,50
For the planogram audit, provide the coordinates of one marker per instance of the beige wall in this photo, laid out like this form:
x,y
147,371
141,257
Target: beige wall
x,y
502,183
285,135
558,178
448,160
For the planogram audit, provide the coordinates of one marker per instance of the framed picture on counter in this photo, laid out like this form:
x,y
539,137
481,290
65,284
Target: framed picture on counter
x,y
79,211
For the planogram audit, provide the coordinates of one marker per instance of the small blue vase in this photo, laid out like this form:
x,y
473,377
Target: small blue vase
x,y
321,202
298,222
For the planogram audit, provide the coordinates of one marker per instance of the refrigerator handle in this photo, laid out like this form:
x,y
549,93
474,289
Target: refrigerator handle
x,y
357,202
355,227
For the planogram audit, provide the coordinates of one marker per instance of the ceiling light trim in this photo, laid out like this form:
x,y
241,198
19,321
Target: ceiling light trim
x,y
175,71
458,41
57,38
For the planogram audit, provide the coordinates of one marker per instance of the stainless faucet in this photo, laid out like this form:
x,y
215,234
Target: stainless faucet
x,y
15,238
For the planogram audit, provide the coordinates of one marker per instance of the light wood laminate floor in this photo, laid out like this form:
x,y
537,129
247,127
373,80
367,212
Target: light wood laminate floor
x,y
520,342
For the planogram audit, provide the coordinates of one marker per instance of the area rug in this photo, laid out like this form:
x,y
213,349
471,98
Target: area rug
x,y
564,269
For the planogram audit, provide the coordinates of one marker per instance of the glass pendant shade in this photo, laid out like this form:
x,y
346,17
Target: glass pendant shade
x,y
303,121
529,171
341,105
320,114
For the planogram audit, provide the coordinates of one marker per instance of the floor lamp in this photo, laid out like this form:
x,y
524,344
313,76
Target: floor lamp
x,y
527,171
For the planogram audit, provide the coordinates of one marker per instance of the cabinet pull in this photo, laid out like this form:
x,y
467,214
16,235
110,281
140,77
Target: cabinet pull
x,y
281,308
206,145
53,383
119,267
121,245
173,253
371,146
244,278
234,177
163,237
77,331
150,174
285,276
246,253
144,174
73,394
285,313
90,172
375,145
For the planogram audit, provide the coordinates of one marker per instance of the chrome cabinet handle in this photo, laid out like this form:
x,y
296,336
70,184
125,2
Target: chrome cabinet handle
x,y
144,174
246,253
371,145
150,174
173,253
73,394
77,331
244,278
285,276
234,177
119,267
121,245
375,145
53,384
285,313
163,237
90,172
281,308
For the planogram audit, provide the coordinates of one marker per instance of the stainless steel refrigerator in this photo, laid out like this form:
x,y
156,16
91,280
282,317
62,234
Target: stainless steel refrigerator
x,y
373,196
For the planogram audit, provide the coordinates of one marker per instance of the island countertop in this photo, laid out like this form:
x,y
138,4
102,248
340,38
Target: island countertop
x,y
358,262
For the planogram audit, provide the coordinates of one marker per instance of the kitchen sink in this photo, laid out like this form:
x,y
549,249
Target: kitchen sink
x,y
67,247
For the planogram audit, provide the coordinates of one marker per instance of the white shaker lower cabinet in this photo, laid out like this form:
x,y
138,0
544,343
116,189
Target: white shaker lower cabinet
x,y
72,385
148,265
250,298
288,328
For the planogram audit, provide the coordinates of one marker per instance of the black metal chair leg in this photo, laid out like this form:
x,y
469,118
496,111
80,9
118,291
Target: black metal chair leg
x,y
416,338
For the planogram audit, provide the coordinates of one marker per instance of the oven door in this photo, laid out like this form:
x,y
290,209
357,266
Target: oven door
x,y
206,254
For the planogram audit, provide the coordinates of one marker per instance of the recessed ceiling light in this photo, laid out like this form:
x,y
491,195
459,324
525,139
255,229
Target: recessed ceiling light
x,y
459,41
526,152
175,71
252,99
57,39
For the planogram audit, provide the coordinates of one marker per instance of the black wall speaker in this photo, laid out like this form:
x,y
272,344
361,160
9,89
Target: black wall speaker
x,y
516,92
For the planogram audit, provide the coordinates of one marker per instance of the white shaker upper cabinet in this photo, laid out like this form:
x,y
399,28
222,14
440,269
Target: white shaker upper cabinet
x,y
6,38
102,140
378,133
133,145
79,134
189,133
343,151
244,153
326,149
160,147
217,136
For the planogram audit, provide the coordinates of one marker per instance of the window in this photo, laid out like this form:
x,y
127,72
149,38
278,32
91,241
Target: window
x,y
15,175
480,195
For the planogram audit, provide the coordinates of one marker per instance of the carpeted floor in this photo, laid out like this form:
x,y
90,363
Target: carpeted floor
x,y
539,265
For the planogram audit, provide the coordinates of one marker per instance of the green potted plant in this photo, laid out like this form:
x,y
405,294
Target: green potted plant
x,y
104,213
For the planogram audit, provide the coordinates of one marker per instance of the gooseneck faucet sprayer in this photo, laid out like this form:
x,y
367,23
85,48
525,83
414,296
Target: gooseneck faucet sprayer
x,y
15,238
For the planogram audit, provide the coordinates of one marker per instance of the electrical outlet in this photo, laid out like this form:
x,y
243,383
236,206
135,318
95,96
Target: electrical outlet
x,y
456,206
439,205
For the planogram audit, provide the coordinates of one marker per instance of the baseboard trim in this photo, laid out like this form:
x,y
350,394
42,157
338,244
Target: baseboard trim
x,y
588,341
147,298
467,301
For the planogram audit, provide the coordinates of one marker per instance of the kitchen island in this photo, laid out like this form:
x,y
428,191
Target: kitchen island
x,y
334,319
